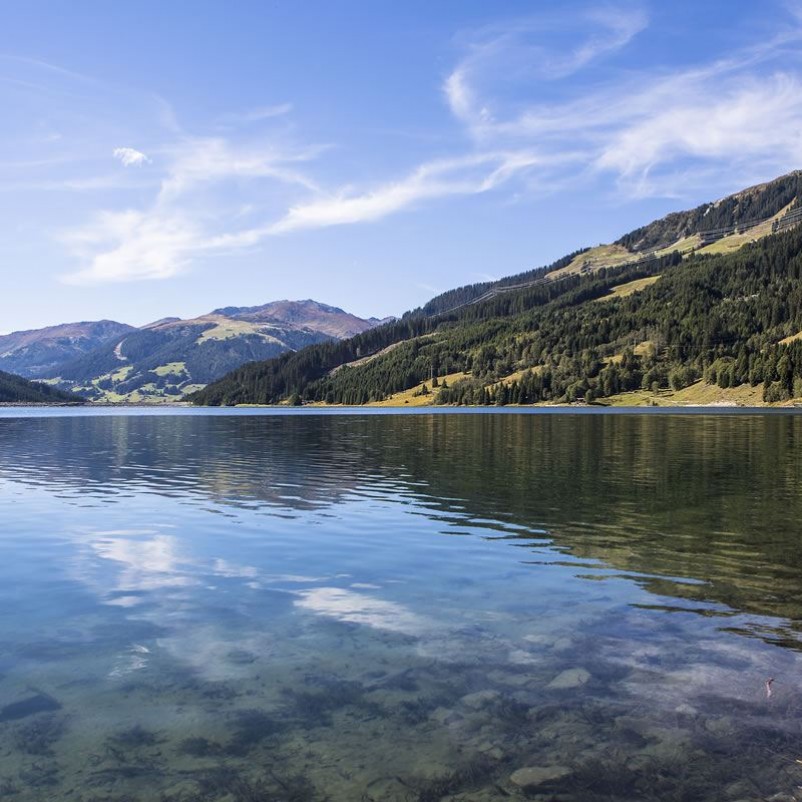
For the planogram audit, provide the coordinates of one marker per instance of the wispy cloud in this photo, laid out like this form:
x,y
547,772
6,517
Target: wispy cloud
x,y
645,126
90,184
130,157
745,121
162,241
467,175
524,53
191,214
256,115
47,66
130,245
202,160
182,223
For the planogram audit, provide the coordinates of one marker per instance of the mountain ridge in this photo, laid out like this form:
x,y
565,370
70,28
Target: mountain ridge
x,y
331,320
658,308
32,353
167,357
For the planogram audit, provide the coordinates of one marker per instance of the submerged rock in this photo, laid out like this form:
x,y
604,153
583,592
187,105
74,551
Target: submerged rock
x,y
480,699
570,678
721,726
517,680
442,715
241,657
39,703
490,750
741,790
533,776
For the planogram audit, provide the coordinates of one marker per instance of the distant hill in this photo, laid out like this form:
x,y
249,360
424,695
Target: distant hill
x,y
35,353
329,320
15,389
711,296
166,358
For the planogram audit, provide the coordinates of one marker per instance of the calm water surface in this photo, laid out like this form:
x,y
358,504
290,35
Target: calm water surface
x,y
246,607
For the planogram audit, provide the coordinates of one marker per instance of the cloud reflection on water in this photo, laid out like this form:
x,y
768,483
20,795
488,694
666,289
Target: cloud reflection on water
x,y
360,608
148,560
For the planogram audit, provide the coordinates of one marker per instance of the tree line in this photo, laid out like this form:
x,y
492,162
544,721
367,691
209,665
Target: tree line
x,y
15,389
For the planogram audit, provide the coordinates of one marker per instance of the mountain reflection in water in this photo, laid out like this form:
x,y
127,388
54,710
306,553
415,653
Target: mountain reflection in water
x,y
400,606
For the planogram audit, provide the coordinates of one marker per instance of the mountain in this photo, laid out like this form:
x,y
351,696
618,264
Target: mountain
x,y
698,305
171,356
35,353
15,389
746,208
329,320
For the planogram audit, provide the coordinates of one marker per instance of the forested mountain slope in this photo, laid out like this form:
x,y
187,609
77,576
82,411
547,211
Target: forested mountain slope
x,y
654,317
15,389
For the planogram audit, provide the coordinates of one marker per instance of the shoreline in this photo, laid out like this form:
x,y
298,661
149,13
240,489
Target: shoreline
x,y
441,409
92,404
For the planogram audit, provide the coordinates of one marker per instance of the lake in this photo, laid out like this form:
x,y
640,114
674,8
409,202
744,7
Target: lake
x,y
242,605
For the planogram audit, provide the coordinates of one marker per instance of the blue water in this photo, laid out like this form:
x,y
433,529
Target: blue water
x,y
258,605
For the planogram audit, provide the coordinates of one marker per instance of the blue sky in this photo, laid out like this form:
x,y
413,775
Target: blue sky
x,y
169,158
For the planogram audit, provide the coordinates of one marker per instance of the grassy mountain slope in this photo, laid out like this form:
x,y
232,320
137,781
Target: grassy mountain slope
x,y
16,389
649,317
167,358
35,353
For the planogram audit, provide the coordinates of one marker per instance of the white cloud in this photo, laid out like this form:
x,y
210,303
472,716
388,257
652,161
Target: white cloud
x,y
161,242
753,119
616,28
130,157
654,131
203,160
130,245
461,176
459,94
516,57
190,215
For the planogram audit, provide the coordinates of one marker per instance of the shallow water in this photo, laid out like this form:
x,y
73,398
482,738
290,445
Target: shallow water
x,y
251,606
